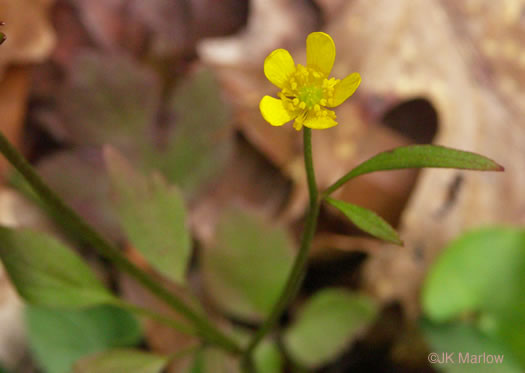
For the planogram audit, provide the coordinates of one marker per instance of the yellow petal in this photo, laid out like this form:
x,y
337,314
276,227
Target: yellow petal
x,y
320,123
320,52
273,111
345,88
278,67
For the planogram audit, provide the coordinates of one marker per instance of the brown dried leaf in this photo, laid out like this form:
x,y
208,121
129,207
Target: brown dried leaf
x,y
103,19
176,25
270,23
30,36
13,97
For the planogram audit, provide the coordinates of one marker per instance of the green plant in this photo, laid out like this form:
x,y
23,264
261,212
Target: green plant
x,y
47,273
473,299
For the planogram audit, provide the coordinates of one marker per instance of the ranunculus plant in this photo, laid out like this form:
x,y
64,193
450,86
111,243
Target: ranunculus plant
x,y
263,277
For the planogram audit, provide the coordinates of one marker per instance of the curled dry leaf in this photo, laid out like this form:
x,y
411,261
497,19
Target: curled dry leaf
x,y
270,23
176,25
103,19
330,8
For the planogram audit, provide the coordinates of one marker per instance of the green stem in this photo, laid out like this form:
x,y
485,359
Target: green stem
x,y
296,275
106,249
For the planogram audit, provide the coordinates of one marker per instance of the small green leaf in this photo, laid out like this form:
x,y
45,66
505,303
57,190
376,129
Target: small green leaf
x,y
200,143
268,358
326,325
367,220
2,37
47,273
58,338
246,270
113,99
459,338
152,215
420,156
483,270
122,361
109,99
481,274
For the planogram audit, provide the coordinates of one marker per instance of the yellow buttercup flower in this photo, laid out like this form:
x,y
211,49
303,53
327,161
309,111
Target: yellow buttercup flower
x,y
306,91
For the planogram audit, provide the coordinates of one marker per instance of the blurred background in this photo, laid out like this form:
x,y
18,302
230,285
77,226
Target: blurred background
x,y
174,85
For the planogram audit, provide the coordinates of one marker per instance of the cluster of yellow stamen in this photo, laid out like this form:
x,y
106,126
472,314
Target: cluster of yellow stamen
x,y
306,93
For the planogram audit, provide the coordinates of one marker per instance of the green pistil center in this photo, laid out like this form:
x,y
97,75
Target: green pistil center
x,y
310,95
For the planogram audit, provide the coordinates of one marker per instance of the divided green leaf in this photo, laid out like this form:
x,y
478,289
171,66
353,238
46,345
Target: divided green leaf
x,y
109,99
153,216
245,271
58,338
47,273
367,221
114,100
326,325
200,144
